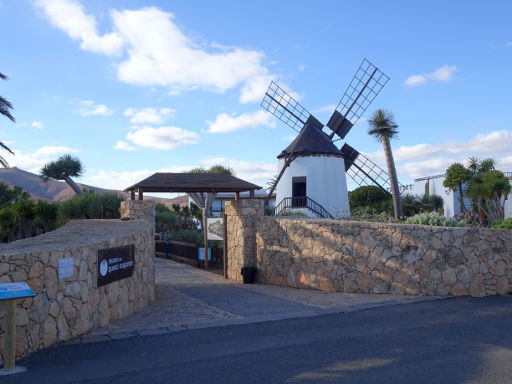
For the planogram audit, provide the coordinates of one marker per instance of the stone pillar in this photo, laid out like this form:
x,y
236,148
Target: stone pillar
x,y
241,245
138,209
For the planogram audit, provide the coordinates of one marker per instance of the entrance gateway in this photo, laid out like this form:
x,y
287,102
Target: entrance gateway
x,y
201,187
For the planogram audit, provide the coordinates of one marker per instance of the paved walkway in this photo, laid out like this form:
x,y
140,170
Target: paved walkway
x,y
190,298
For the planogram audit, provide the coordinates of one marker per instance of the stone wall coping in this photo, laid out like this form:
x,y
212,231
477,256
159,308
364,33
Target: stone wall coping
x,y
368,224
75,234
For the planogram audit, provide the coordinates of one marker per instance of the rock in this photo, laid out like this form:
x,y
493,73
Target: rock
x,y
449,277
51,282
73,289
36,269
36,284
502,286
50,332
40,308
500,268
477,286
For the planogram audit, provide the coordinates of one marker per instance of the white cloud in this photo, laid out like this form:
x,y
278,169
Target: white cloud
x,y
124,146
37,124
430,159
254,172
34,161
122,180
162,137
159,53
509,44
443,74
89,108
225,123
149,115
69,16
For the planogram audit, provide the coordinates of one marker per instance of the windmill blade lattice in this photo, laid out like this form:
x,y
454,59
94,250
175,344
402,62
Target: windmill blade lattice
x,y
364,171
282,105
362,90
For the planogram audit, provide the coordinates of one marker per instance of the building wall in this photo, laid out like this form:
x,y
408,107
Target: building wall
x,y
451,204
325,182
348,256
64,308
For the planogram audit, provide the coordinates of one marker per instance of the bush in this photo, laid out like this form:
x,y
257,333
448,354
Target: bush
x,y
367,196
503,224
88,205
434,219
367,214
290,212
46,215
186,236
414,204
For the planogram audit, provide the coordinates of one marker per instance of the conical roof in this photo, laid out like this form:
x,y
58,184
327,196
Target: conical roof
x,y
311,141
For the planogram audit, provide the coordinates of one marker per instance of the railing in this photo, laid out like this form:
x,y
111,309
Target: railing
x,y
186,252
302,202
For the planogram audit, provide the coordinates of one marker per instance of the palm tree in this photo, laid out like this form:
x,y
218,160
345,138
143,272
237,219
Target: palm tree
x,y
64,168
383,127
5,106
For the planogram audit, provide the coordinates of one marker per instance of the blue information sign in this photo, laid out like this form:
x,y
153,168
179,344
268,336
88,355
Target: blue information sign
x,y
200,254
15,291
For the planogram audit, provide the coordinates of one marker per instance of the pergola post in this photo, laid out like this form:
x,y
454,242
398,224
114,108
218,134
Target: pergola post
x,y
205,235
132,194
141,194
237,195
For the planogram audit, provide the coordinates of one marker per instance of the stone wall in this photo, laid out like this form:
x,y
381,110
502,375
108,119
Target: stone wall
x,y
241,215
348,256
138,210
68,307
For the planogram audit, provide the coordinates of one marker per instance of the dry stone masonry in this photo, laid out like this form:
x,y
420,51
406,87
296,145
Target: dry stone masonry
x,y
138,210
348,256
241,217
64,308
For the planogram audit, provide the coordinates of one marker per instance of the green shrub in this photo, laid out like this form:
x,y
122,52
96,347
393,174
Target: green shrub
x,y
434,219
9,223
367,196
503,224
291,212
88,205
186,236
46,215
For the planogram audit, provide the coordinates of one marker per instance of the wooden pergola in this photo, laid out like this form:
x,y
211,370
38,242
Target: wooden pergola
x,y
193,183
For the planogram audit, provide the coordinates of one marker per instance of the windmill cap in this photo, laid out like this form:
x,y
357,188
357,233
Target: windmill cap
x,y
311,141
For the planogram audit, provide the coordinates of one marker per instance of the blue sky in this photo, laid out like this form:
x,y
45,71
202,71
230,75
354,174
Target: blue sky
x,y
135,87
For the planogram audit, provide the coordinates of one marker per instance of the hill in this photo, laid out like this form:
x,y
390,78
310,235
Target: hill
x,y
56,191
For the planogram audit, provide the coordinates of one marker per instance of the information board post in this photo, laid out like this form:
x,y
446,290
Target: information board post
x,y
205,230
9,292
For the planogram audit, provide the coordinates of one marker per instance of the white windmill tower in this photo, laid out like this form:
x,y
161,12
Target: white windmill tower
x,y
312,169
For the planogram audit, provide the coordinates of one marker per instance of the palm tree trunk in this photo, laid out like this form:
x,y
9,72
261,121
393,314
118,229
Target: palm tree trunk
x,y
395,191
73,185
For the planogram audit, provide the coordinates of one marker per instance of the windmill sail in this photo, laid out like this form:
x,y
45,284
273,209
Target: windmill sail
x,y
285,107
364,87
364,171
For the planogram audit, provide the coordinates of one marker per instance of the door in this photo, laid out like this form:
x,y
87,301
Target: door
x,y
299,192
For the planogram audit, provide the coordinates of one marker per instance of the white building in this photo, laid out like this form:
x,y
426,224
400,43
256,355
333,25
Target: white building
x,y
315,181
451,204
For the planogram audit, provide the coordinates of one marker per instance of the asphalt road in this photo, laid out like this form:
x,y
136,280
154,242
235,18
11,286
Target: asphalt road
x,y
459,340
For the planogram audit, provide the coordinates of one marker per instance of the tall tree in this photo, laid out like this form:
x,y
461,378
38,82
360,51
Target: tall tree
x,y
64,168
205,200
456,176
5,107
383,127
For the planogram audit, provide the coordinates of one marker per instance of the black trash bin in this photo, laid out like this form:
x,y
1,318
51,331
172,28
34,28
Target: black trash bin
x,y
249,274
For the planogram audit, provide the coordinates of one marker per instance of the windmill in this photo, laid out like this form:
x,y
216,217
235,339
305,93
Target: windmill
x,y
366,84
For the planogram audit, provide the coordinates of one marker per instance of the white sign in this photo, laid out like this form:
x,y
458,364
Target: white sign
x,y
65,267
215,228
15,291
